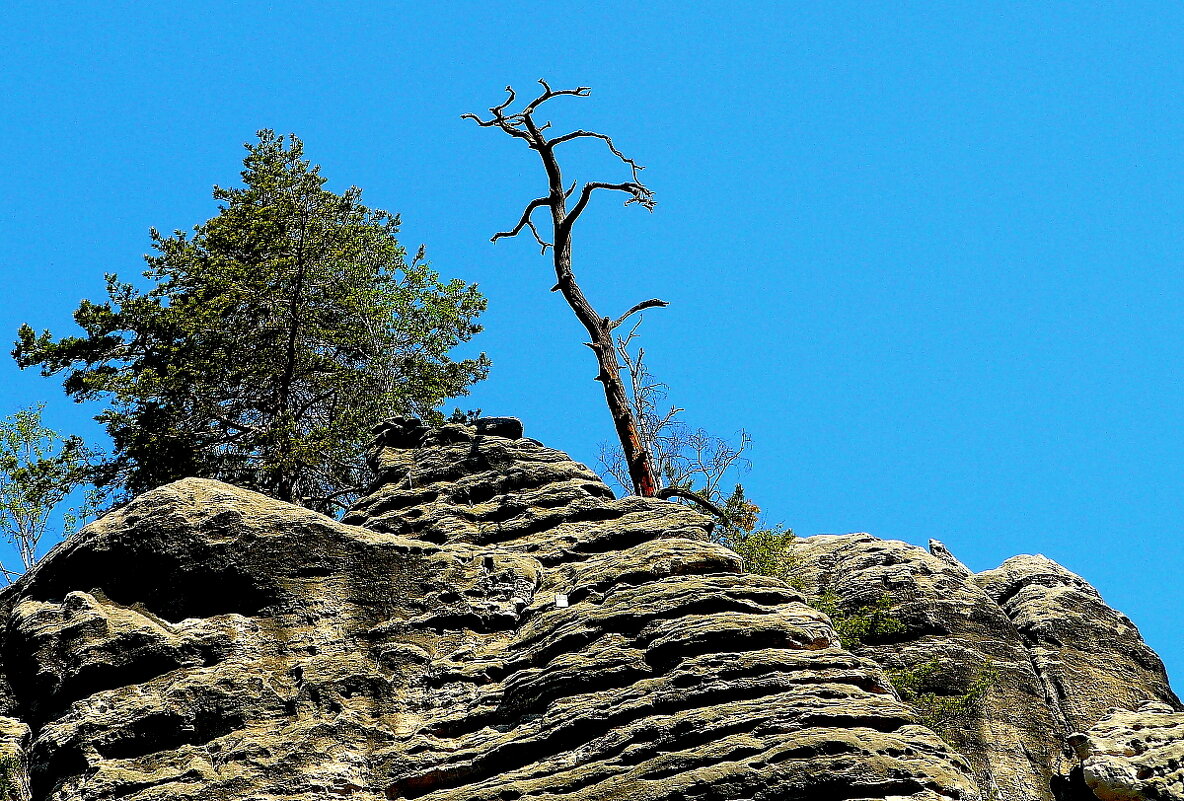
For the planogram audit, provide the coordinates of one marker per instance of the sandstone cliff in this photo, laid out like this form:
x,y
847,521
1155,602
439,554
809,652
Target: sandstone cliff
x,y
1058,656
490,624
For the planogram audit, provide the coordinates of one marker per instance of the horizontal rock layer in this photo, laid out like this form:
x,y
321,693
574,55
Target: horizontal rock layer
x,y
488,624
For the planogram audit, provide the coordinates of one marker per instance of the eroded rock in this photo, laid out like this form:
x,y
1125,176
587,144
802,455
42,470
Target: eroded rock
x,y
1089,657
1134,755
954,629
1058,656
205,642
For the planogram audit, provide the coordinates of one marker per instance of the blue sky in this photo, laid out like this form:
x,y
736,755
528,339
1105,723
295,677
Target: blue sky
x,y
927,254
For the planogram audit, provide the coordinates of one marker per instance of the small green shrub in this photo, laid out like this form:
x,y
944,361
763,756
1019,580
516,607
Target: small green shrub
x,y
768,552
9,783
863,625
948,711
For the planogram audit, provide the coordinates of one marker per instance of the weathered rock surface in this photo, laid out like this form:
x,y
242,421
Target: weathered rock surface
x,y
205,642
1132,755
947,617
1058,656
1088,656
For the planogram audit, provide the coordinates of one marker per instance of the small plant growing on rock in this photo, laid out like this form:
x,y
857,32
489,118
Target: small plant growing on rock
x,y
768,552
862,625
928,691
9,778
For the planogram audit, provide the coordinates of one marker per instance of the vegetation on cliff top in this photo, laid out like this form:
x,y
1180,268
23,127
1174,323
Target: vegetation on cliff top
x,y
39,469
270,341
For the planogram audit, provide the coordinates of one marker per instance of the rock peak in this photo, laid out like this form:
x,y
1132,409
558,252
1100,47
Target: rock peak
x,y
489,623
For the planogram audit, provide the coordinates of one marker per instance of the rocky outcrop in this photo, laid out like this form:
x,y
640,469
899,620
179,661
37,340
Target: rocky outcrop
x,y
1132,755
1050,653
488,624
1089,657
1013,742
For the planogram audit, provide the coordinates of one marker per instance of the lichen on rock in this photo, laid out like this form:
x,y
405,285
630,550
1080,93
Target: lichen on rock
x,y
1057,655
488,623
206,642
1134,754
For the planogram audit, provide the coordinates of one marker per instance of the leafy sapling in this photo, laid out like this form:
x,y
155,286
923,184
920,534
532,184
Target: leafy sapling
x,y
39,470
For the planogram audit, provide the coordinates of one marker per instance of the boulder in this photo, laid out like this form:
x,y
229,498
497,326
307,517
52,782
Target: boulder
x,y
1134,755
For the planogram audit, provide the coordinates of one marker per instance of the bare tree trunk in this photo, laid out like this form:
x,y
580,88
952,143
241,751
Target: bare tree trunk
x,y
600,329
637,456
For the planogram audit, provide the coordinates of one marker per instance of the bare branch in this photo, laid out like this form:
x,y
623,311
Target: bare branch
x,y
652,303
633,165
691,495
548,93
543,244
499,118
497,110
526,222
521,124
478,120
640,193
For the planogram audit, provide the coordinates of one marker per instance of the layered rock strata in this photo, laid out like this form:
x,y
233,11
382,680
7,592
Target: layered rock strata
x,y
1049,652
488,624
1135,754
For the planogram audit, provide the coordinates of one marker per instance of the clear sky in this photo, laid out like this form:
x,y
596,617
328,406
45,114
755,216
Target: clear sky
x,y
927,254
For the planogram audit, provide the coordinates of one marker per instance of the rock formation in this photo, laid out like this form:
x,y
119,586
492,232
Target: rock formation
x,y
1088,656
1058,657
1134,754
490,624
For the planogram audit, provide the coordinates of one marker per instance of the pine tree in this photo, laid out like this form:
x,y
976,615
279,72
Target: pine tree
x,y
272,339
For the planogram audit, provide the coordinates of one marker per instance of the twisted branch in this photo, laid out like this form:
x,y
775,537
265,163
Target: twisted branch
x,y
548,93
695,497
526,222
652,303
639,193
633,165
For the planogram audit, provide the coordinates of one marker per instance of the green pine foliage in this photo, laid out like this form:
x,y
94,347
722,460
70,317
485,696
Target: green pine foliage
x,y
768,552
270,341
866,624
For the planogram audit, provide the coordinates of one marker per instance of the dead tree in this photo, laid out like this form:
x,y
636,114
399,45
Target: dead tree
x,y
521,125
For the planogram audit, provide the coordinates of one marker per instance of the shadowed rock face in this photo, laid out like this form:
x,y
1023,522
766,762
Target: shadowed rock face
x,y
205,642
1060,656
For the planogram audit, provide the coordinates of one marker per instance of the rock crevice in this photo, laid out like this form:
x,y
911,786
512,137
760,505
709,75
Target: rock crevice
x,y
1058,656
